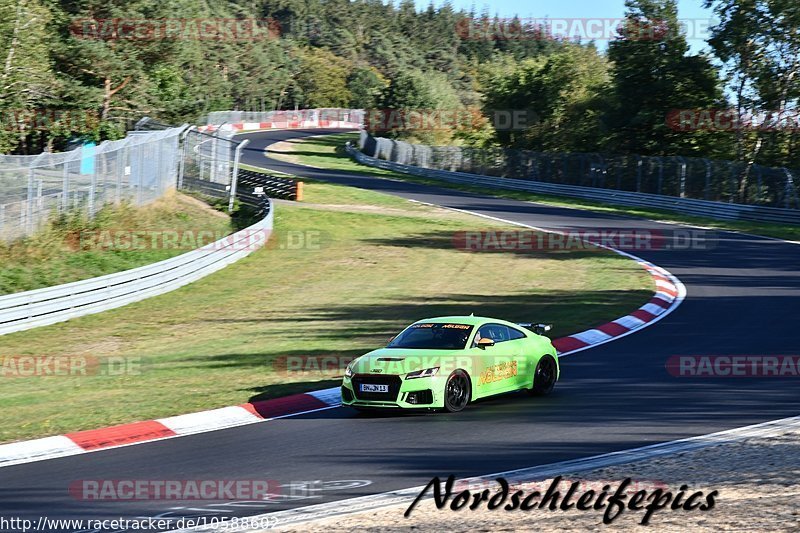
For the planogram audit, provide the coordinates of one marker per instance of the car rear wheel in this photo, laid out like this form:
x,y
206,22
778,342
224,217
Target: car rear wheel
x,y
457,391
544,377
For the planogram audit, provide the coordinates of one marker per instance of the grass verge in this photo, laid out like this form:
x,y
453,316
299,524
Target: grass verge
x,y
73,247
342,273
328,152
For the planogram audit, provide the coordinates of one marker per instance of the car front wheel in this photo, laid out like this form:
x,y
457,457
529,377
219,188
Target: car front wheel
x,y
457,391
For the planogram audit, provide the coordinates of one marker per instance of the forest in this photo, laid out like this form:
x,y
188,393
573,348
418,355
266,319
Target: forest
x,y
88,69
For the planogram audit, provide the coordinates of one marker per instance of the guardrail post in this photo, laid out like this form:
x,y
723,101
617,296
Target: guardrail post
x,y
140,177
120,173
660,174
29,203
213,169
791,191
639,162
39,197
93,182
65,187
184,141
682,185
235,176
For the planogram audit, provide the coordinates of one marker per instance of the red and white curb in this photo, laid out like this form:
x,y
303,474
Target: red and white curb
x,y
165,428
670,292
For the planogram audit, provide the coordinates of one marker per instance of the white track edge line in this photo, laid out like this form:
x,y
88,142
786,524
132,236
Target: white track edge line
x,y
387,499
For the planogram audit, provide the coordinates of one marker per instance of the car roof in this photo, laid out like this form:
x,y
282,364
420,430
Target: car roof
x,y
467,319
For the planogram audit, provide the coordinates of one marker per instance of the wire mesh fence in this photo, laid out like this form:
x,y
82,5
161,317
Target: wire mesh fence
x,y
683,177
209,162
141,167
138,169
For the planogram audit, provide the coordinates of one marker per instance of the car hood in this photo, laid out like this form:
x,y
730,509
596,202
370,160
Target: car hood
x,y
402,361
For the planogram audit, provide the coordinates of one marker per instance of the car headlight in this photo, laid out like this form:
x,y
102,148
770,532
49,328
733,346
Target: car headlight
x,y
427,373
348,372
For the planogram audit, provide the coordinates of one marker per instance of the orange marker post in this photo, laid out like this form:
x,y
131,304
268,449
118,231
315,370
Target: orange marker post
x,y
299,191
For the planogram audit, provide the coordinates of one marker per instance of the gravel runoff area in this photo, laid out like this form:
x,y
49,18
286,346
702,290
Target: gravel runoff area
x,y
757,479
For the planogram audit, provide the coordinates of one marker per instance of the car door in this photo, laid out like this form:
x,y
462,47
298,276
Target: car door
x,y
499,363
521,347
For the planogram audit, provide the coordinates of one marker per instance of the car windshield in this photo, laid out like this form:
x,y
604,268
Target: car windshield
x,y
433,336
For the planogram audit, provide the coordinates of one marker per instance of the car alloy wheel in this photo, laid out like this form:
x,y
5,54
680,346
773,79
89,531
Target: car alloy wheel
x,y
457,391
544,377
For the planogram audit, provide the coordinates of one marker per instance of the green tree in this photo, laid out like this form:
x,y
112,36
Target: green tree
x,y
758,43
365,85
653,74
27,80
323,79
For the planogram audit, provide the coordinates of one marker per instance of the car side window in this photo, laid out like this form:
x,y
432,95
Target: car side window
x,y
515,334
497,332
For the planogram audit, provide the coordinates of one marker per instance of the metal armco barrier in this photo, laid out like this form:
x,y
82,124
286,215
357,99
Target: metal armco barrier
x,y
688,206
49,305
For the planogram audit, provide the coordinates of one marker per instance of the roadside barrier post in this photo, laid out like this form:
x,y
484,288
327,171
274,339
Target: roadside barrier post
x,y
235,176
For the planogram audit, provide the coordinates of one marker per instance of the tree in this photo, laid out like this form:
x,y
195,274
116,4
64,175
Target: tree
x,y
365,85
758,43
323,79
27,81
654,74
559,101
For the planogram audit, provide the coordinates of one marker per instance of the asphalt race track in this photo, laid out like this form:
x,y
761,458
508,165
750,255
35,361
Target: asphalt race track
x,y
743,299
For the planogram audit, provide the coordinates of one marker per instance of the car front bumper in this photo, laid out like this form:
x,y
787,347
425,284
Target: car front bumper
x,y
402,393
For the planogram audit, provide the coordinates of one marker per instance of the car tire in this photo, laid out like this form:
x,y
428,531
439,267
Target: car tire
x,y
544,377
457,391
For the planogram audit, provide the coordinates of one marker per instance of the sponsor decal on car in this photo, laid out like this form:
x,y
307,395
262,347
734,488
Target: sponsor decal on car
x,y
498,372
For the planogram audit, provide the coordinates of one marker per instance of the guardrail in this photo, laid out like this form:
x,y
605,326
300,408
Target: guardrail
x,y
688,206
49,305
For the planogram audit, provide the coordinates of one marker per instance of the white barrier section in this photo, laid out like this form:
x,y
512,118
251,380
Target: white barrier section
x,y
40,307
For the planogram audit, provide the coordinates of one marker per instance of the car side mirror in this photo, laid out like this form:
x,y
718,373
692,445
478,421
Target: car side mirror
x,y
541,329
485,342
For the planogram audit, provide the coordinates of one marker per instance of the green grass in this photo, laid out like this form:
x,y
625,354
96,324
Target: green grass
x,y
377,263
73,247
328,152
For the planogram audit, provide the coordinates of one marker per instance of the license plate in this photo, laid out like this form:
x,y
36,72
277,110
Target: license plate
x,y
368,387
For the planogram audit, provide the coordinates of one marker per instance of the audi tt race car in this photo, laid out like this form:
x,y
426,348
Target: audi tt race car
x,y
446,362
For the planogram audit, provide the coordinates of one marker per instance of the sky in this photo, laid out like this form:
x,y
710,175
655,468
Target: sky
x,y
579,13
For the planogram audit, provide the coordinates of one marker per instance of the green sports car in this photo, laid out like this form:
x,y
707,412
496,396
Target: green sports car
x,y
446,362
